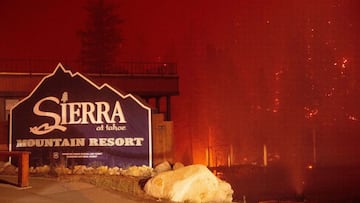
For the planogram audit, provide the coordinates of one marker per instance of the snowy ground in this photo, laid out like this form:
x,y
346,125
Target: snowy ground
x,y
194,183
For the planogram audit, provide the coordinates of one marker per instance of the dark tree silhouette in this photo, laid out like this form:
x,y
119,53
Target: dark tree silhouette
x,y
101,38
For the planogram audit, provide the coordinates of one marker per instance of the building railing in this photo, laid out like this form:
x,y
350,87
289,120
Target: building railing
x,y
47,65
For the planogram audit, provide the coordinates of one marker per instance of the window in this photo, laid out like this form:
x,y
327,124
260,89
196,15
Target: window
x,y
9,103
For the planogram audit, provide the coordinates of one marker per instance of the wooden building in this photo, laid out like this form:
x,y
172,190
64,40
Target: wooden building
x,y
154,82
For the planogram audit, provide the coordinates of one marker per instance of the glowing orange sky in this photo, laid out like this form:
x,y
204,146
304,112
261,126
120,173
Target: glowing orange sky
x,y
221,48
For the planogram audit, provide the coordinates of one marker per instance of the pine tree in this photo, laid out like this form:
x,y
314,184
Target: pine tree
x,y
101,38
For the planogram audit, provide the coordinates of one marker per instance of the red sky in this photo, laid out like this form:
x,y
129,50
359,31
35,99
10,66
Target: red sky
x,y
228,53
39,28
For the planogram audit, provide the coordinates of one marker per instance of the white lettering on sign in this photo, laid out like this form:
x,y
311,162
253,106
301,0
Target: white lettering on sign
x,y
76,113
46,127
56,142
80,142
108,142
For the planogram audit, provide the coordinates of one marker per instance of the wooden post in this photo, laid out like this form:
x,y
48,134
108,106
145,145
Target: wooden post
x,y
23,172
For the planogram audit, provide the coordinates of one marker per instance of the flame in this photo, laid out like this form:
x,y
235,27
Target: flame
x,y
310,113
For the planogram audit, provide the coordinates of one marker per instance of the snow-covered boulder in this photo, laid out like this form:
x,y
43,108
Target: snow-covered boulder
x,y
114,171
3,165
79,170
102,170
62,170
193,183
137,171
8,169
177,165
162,167
45,169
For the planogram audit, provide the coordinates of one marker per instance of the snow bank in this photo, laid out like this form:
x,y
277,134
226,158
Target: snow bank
x,y
45,169
178,183
162,167
194,183
136,171
7,168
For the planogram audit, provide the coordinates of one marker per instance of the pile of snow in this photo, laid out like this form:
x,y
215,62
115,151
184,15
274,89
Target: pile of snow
x,y
177,183
137,171
162,167
61,170
194,183
45,169
7,168
166,166
177,165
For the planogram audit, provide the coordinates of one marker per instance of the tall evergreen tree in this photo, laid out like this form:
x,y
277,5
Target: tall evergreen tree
x,y
101,38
